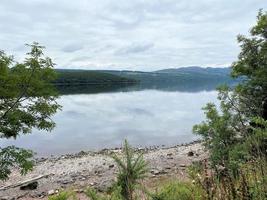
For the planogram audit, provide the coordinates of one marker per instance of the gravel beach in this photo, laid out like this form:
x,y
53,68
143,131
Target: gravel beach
x,y
96,169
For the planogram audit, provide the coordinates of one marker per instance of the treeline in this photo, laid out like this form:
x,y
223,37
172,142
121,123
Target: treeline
x,y
111,80
85,77
178,77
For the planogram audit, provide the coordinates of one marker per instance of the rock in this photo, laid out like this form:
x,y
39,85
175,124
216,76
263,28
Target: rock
x,y
73,175
182,165
78,190
82,153
66,181
38,195
7,198
82,178
30,186
51,192
105,185
92,184
169,154
99,170
111,166
167,168
42,159
190,153
157,172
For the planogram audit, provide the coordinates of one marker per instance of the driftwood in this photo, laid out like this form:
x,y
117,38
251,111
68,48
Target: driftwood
x,y
24,182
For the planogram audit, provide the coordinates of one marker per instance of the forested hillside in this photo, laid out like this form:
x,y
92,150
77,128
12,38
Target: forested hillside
x,y
85,77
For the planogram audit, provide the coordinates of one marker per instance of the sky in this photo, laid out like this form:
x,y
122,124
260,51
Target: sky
x,y
142,35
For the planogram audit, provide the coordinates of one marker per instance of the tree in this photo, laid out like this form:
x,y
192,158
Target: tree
x,y
252,64
236,134
132,168
240,105
27,101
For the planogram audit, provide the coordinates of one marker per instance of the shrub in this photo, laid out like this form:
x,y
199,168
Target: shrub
x,y
64,195
132,169
179,191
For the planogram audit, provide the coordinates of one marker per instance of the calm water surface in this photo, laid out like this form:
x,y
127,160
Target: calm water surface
x,y
96,121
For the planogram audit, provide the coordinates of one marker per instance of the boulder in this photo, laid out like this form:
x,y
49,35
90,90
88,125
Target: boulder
x,y
29,186
190,153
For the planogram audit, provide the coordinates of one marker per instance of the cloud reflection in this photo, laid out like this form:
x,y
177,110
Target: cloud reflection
x,y
95,121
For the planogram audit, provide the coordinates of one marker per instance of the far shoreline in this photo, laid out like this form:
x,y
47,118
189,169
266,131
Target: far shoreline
x,y
116,148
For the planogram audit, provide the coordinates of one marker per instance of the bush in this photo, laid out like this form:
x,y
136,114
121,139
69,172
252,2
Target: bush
x,y
179,191
64,195
132,169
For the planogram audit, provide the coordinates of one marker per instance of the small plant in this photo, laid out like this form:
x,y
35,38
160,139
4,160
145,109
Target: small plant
x,y
132,169
64,195
93,195
179,191
114,195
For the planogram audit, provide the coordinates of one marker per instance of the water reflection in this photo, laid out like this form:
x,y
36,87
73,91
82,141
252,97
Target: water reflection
x,y
162,85
96,121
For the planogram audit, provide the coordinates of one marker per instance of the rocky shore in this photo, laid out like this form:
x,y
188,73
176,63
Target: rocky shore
x,y
96,169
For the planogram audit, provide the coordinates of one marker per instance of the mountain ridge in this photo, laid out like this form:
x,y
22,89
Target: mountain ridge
x,y
198,69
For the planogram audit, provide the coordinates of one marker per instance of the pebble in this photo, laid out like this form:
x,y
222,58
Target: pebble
x,y
7,198
157,172
190,153
92,183
111,166
66,181
105,185
30,186
51,192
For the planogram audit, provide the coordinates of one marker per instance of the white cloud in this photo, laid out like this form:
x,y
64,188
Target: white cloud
x,y
72,48
139,34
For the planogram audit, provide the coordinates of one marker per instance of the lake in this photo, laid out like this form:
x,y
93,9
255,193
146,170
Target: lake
x,y
144,117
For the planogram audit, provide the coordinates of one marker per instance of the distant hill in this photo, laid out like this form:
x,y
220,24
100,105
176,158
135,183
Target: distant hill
x,y
188,79
179,76
198,70
87,77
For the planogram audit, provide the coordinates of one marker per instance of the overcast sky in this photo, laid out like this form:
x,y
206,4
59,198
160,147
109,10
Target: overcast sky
x,y
128,34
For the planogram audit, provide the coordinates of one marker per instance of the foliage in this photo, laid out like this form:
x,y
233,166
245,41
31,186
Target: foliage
x,y
179,191
236,135
87,77
250,184
12,157
27,100
93,195
252,64
64,195
191,79
114,195
132,168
